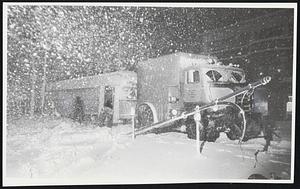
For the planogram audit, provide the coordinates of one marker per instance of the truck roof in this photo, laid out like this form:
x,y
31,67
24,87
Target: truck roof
x,y
112,79
178,60
180,54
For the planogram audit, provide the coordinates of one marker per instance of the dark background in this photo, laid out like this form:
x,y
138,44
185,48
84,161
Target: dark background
x,y
76,41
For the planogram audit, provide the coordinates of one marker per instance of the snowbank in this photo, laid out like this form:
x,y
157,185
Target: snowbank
x,y
59,148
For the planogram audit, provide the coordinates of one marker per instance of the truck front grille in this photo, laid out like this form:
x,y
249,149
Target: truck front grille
x,y
245,103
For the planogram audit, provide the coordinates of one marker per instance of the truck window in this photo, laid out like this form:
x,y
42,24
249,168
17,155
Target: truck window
x,y
236,76
213,75
192,76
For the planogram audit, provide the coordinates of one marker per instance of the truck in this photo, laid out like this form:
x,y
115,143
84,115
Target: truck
x,y
171,85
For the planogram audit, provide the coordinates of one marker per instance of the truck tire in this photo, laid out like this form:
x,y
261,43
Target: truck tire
x,y
146,115
235,132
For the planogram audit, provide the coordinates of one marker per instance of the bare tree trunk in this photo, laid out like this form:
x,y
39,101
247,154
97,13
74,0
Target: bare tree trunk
x,y
32,100
43,92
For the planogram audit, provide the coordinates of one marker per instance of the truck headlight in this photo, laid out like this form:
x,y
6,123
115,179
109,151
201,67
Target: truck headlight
x,y
215,108
210,61
174,112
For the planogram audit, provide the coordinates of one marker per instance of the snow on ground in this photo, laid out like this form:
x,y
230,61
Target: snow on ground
x,y
59,148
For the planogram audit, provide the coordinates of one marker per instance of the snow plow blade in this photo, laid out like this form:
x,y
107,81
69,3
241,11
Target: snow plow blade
x,y
167,123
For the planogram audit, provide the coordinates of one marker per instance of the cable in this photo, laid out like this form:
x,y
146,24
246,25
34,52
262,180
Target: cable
x,y
244,121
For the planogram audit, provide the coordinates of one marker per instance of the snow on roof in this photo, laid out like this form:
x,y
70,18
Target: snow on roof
x,y
112,79
191,55
178,59
180,55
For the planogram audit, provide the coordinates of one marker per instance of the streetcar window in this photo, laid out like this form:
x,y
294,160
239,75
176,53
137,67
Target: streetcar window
x,y
192,76
213,75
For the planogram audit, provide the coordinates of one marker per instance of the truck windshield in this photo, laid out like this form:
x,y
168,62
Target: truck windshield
x,y
236,76
224,76
214,75
192,76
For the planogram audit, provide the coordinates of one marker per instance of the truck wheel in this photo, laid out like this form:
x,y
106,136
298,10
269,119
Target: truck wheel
x,y
145,116
253,128
235,132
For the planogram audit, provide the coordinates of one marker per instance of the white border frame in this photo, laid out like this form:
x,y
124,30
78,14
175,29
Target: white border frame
x,y
34,182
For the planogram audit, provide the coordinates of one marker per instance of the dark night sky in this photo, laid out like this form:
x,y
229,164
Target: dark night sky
x,y
222,17
213,18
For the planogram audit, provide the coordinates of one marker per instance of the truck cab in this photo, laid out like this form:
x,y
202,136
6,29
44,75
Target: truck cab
x,y
204,80
172,84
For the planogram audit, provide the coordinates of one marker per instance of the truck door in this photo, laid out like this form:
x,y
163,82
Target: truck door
x,y
193,86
